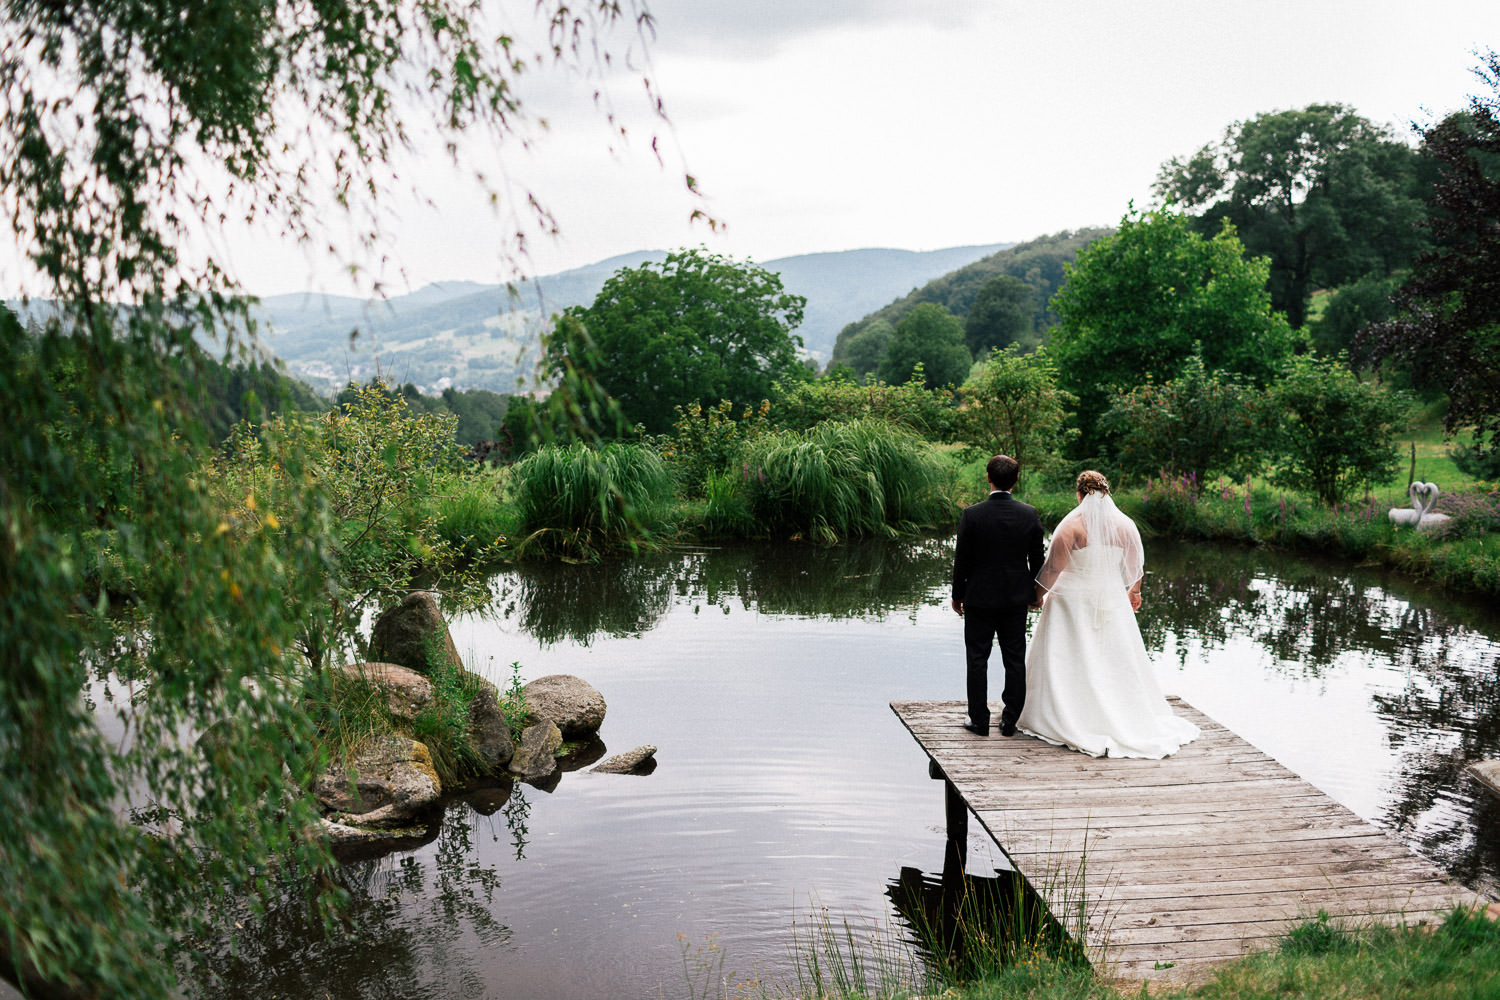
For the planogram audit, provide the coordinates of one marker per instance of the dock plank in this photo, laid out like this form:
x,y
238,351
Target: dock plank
x,y
1188,862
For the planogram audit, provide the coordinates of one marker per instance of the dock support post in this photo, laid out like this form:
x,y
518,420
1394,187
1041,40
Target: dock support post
x,y
956,815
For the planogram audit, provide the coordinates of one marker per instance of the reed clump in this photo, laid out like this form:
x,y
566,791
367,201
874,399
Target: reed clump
x,y
581,502
844,480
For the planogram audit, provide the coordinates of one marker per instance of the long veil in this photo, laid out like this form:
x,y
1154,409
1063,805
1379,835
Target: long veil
x,y
1095,521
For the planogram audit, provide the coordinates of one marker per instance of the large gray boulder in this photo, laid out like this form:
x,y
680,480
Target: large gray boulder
x,y
489,730
536,756
389,782
413,634
570,702
406,691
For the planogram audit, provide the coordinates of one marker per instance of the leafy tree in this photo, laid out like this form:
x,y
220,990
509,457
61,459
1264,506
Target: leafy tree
x,y
1337,433
1137,305
114,119
1201,422
1447,330
864,350
930,337
698,326
1353,307
1328,196
1011,405
1002,314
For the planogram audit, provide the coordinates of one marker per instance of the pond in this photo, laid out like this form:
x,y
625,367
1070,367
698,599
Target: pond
x,y
787,791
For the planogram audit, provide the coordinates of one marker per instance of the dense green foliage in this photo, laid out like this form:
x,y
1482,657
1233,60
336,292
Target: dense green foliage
x,y
1039,264
803,404
374,464
1003,313
1326,195
479,414
1447,333
1204,423
843,480
102,475
1336,431
578,502
122,127
1011,405
698,326
1137,305
929,340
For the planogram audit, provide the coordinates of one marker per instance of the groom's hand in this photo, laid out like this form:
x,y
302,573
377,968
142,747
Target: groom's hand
x,y
958,607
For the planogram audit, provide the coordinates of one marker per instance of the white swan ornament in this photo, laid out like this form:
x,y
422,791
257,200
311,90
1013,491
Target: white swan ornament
x,y
1420,514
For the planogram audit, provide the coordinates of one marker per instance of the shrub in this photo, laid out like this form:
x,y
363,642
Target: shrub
x,y
1011,405
1337,432
1201,422
708,440
805,405
579,501
841,480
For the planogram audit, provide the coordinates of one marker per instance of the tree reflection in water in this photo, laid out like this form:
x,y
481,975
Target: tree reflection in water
x,y
405,934
1311,616
626,597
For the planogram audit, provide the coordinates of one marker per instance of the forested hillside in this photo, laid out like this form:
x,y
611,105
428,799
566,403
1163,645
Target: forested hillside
x,y
1022,278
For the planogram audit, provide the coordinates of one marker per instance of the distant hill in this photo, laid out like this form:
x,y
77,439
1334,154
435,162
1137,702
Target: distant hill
x,y
471,335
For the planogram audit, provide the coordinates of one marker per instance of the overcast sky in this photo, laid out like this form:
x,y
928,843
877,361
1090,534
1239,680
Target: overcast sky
x,y
824,125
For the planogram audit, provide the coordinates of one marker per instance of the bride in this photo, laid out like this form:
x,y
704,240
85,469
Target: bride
x,y
1089,683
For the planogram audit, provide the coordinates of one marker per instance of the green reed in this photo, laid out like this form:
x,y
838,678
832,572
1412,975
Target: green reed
x,y
580,502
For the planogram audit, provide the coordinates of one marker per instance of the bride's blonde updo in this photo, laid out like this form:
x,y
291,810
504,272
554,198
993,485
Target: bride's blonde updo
x,y
1090,481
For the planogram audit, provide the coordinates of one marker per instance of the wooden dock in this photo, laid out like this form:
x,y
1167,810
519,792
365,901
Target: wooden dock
x,y
1185,862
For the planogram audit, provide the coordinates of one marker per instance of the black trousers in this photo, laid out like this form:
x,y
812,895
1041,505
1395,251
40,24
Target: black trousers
x,y
981,627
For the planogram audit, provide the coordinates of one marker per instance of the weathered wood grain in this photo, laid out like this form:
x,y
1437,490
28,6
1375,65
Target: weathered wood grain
x,y
1182,863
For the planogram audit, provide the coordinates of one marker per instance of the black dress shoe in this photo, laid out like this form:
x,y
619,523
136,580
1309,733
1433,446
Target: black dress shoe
x,y
979,730
1007,728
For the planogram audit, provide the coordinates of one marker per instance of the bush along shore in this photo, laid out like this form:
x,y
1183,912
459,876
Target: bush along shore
x,y
1460,551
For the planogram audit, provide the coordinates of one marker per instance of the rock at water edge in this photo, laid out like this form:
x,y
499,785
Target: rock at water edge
x,y
536,756
569,701
413,634
629,762
389,782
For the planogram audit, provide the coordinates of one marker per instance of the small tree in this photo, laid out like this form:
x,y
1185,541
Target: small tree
x,y
932,337
697,326
1337,432
1202,422
1011,404
1138,304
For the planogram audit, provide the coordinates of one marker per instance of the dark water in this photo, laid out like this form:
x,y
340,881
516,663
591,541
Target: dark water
x,y
786,789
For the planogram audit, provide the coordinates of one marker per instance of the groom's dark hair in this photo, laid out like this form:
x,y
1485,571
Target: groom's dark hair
x,y
1003,471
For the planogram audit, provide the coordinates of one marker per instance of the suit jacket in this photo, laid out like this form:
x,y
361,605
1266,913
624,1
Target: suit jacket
x,y
999,553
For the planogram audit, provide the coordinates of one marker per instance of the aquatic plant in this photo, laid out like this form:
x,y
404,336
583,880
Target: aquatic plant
x,y
579,502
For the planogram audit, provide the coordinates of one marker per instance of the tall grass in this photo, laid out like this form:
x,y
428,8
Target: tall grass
x,y
841,480
580,502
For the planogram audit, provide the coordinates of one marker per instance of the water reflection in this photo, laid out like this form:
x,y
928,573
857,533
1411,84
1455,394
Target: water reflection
x,y
1426,666
558,603
763,674
407,932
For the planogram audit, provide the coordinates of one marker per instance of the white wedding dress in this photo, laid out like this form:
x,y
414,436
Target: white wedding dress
x,y
1089,683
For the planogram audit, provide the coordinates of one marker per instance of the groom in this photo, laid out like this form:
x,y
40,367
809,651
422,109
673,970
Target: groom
x,y
995,564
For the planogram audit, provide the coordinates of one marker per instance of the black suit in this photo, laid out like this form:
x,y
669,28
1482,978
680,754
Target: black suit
x,y
995,563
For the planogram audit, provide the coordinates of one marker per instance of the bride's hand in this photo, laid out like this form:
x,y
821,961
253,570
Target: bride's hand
x,y
1135,600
